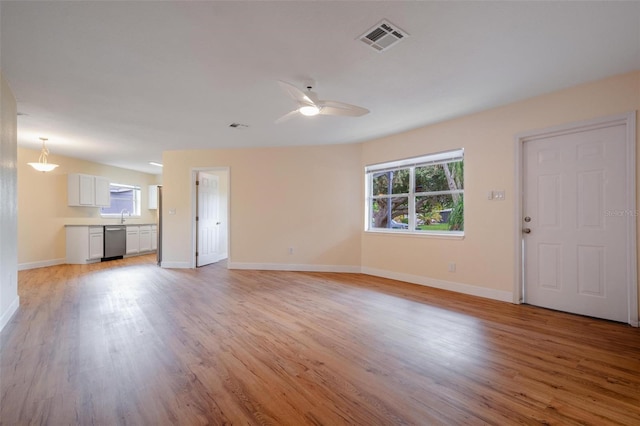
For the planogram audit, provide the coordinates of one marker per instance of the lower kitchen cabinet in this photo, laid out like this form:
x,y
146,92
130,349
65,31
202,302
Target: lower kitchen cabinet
x,y
85,244
96,242
154,237
141,239
133,239
145,238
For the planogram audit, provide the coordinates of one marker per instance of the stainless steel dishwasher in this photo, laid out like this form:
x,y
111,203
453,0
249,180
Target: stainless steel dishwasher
x,y
115,242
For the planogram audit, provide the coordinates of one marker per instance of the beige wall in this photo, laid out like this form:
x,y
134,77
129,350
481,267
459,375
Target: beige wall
x,y
9,299
43,210
307,198
311,198
485,257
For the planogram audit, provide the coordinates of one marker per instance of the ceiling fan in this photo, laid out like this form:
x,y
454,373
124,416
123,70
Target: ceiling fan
x,y
309,104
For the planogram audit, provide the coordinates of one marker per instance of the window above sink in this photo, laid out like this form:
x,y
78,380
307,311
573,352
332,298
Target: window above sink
x,y
123,198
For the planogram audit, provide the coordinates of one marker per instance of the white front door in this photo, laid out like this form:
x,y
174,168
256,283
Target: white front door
x,y
208,223
576,222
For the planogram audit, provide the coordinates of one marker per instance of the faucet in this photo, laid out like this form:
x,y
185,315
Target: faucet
x,y
122,215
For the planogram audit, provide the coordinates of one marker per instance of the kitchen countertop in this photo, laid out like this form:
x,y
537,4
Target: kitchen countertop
x,y
111,224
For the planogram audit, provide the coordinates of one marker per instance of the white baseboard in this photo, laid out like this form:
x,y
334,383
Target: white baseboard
x,y
293,267
41,264
12,309
175,265
488,293
504,296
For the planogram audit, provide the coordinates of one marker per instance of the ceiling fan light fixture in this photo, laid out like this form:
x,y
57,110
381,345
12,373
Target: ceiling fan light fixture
x,y
308,104
309,110
43,165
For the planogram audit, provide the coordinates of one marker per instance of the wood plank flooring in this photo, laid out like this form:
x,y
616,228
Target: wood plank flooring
x,y
128,343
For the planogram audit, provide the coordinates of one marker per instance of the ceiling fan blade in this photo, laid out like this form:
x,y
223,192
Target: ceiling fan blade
x,y
295,93
341,108
286,116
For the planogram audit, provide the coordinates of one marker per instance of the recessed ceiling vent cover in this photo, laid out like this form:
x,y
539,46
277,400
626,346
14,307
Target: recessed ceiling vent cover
x,y
383,36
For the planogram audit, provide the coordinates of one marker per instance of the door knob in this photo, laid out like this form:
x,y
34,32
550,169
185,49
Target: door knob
x,y
526,230
218,223
527,219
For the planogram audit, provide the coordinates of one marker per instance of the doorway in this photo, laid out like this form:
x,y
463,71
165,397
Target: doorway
x,y
211,224
577,219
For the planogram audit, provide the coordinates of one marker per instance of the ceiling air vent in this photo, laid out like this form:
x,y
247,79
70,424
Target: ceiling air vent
x,y
383,36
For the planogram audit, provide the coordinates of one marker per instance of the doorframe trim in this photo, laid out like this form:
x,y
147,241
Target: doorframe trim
x,y
629,121
194,209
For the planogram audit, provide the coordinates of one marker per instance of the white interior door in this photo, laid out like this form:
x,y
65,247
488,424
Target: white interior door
x,y
576,256
210,248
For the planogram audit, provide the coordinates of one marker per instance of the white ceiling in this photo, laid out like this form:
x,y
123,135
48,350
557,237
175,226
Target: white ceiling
x,y
120,82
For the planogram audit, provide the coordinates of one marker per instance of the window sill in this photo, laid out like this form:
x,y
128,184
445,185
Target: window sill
x,y
449,235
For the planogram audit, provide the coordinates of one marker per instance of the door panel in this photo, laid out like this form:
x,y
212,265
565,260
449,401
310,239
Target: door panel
x,y
591,199
575,257
550,265
591,270
549,191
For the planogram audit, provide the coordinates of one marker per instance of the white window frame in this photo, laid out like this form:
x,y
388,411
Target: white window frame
x,y
411,164
138,201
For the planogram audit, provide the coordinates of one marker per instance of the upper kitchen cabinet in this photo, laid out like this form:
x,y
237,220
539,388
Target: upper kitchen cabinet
x,y
88,191
153,197
103,192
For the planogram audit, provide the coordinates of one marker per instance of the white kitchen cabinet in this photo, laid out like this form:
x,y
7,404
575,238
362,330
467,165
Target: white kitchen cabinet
x,y
85,244
96,242
103,193
154,237
153,197
133,239
87,191
145,238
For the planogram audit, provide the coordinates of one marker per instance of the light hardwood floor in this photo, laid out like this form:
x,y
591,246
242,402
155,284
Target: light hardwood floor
x,y
126,342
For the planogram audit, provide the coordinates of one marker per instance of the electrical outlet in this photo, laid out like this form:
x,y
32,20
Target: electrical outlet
x,y
290,250
452,266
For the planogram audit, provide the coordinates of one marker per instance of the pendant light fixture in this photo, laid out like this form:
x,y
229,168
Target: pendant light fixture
x,y
42,165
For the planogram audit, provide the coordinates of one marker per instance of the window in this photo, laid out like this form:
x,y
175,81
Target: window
x,y
423,195
123,198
